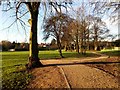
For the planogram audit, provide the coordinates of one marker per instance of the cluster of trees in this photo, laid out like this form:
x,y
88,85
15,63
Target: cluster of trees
x,y
72,34
78,30
7,45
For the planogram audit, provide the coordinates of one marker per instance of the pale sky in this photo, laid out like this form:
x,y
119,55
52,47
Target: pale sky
x,y
12,34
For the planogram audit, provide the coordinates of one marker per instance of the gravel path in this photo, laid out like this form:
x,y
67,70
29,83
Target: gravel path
x,y
81,76
69,73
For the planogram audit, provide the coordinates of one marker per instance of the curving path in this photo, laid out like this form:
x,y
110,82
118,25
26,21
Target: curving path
x,y
72,74
82,76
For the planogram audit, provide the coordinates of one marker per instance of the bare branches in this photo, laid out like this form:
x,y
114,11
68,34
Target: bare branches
x,y
58,5
24,14
17,7
6,6
23,25
53,4
9,25
45,12
8,9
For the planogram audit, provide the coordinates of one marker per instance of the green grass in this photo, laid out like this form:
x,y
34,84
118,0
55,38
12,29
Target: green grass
x,y
111,52
13,61
55,54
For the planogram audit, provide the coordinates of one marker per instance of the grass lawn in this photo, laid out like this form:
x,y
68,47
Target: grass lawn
x,y
13,61
55,54
10,59
111,52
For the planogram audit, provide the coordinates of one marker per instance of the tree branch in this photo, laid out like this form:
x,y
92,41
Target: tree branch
x,y
17,8
10,25
23,14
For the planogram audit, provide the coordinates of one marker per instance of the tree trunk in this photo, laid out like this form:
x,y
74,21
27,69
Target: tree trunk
x,y
33,45
95,38
60,51
96,42
88,40
95,46
60,48
65,46
77,43
77,47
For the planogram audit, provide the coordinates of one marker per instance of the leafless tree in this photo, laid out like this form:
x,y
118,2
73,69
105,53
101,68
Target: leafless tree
x,y
98,30
21,8
55,26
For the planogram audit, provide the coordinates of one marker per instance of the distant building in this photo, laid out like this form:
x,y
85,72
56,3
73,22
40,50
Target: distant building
x,y
12,50
43,45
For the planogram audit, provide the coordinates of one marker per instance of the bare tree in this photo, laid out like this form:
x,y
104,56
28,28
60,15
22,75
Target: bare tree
x,y
74,26
33,9
82,30
98,30
67,40
55,27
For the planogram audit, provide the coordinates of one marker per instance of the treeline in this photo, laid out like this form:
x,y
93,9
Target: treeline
x,y
14,46
7,46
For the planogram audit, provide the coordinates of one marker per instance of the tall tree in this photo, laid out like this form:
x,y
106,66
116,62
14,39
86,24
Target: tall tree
x,y
75,32
99,31
33,45
67,40
82,30
55,27
33,9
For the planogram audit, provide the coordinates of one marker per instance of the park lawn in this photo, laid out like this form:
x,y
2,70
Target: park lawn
x,y
14,62
111,52
20,58
67,54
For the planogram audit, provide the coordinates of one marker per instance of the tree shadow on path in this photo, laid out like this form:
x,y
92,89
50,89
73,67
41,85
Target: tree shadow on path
x,y
90,64
77,63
